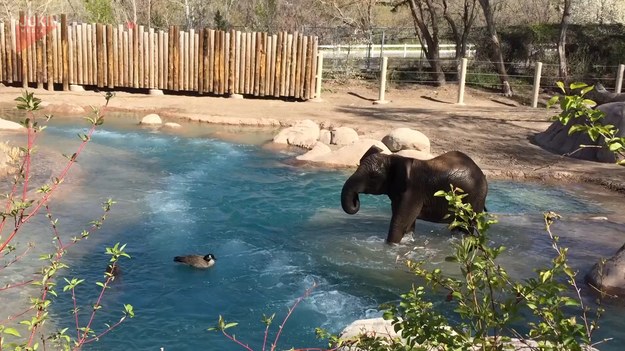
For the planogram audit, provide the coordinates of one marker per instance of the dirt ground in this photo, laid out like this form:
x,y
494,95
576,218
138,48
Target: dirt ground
x,y
493,130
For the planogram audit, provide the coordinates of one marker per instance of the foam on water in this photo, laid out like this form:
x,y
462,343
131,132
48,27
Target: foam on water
x,y
276,230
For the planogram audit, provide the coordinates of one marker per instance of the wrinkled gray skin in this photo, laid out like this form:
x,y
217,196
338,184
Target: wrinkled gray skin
x,y
411,184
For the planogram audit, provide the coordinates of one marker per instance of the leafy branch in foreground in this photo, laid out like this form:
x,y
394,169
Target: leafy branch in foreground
x,y
579,110
19,210
487,303
222,326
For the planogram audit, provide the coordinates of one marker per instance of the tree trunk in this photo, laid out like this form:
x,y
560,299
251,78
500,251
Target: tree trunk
x,y
563,71
497,54
431,39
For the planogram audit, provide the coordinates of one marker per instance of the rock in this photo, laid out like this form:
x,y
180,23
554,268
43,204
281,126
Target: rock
x,y
557,139
610,277
343,136
416,154
172,125
406,139
349,155
317,151
152,118
325,136
10,125
303,134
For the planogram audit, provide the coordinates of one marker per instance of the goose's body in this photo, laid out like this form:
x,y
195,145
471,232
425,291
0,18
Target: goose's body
x,y
197,261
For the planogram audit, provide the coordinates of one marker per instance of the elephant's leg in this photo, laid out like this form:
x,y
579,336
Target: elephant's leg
x,y
405,212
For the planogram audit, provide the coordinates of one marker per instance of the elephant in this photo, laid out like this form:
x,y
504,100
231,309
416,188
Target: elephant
x,y
410,184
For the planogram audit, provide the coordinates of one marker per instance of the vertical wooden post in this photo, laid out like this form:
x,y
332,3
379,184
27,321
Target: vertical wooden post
x,y
537,73
146,59
49,57
161,60
232,62
135,57
120,56
181,55
278,63
21,49
65,52
99,55
58,54
39,35
170,63
200,61
619,78
196,62
8,43
71,38
319,75
140,59
110,57
126,58
462,80
248,63
262,62
382,93
185,60
3,60
14,51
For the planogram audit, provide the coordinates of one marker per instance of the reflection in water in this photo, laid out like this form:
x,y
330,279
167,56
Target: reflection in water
x,y
275,230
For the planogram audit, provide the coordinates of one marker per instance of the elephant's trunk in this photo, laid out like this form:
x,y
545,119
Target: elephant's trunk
x,y
349,196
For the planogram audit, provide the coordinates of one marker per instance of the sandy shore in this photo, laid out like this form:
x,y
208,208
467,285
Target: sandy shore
x,y
494,131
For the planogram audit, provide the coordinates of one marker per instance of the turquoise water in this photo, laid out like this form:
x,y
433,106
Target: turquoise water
x,y
275,229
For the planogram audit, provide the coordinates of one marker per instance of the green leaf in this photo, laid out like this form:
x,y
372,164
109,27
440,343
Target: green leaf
x,y
561,86
615,146
554,99
577,85
577,128
12,331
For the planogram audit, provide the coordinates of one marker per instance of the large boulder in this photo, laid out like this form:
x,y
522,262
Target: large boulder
x,y
348,155
406,139
557,139
609,277
416,154
151,119
303,134
10,125
325,136
320,149
601,95
343,136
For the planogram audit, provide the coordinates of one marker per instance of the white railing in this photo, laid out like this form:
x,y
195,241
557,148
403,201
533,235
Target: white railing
x,y
390,50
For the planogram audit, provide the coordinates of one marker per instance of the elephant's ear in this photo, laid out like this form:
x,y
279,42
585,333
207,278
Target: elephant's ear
x,y
400,173
372,150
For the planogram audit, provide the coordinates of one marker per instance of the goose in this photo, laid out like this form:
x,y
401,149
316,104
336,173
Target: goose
x,y
197,261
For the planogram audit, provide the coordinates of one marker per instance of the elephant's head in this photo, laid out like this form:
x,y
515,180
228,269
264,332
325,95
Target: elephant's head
x,y
371,177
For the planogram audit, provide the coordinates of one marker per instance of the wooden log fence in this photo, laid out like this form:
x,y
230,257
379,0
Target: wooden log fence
x,y
47,51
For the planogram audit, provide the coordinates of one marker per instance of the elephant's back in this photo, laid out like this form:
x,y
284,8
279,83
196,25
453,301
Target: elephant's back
x,y
458,169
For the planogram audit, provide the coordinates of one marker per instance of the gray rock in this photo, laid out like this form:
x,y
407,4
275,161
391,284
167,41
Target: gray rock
x,y
343,136
349,155
406,139
325,136
152,118
303,134
317,151
10,125
556,138
609,277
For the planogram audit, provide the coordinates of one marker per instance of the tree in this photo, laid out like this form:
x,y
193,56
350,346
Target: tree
x,y
467,17
564,24
497,56
426,14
